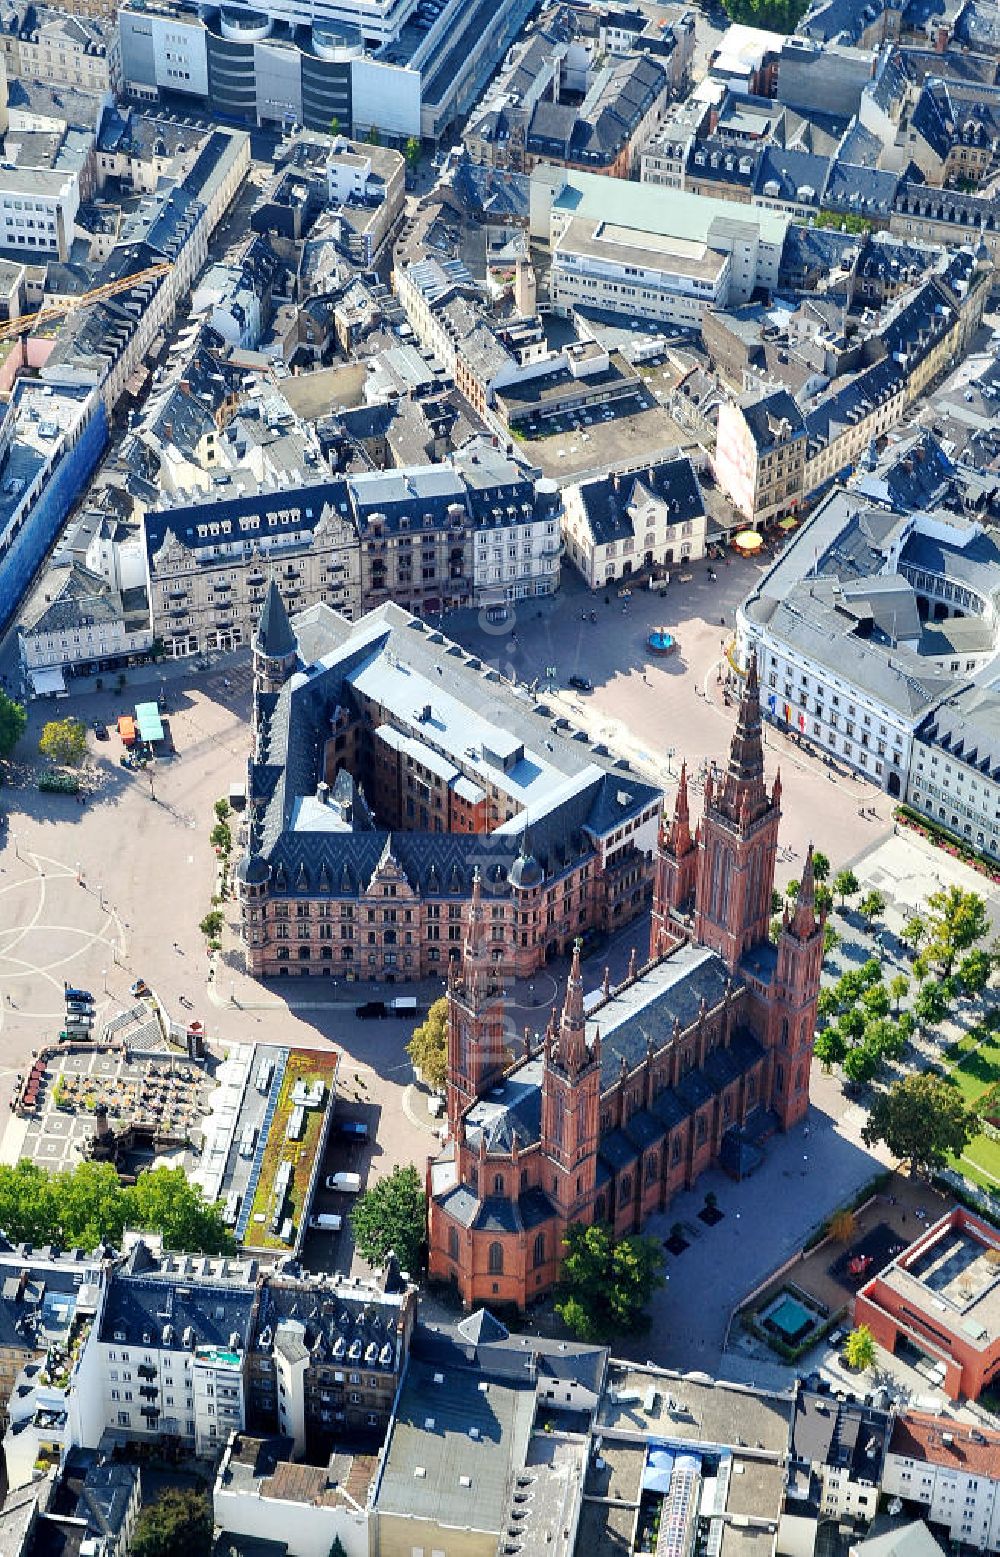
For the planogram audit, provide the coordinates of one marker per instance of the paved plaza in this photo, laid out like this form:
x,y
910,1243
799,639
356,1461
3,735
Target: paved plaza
x,y
115,891
660,711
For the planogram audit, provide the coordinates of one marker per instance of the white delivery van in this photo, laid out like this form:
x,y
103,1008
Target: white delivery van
x,y
347,1183
326,1222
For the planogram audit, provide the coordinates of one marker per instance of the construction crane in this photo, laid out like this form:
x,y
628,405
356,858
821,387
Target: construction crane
x,y
69,305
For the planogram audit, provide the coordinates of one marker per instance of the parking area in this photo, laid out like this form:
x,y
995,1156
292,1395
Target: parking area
x,y
589,441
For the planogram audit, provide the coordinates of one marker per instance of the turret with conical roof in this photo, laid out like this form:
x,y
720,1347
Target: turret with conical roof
x,y
275,649
675,875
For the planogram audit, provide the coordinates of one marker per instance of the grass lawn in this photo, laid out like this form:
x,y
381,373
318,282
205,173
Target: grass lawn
x,y
973,1064
303,1065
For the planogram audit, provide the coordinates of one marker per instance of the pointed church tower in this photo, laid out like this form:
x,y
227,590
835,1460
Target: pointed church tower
x,y
675,875
571,1090
791,1022
739,841
475,1016
275,649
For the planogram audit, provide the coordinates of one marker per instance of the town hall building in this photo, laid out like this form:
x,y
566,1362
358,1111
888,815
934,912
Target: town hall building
x,y
633,1092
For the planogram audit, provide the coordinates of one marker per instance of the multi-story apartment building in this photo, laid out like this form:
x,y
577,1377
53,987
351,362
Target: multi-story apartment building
x,y
173,1344
75,618
951,1472
51,1308
471,788
40,43
426,537
837,1451
331,1371
773,454
760,454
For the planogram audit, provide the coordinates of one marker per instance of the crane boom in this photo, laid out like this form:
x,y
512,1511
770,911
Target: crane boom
x,y
28,322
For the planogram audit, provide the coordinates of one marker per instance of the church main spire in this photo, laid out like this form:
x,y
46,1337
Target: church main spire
x,y
742,789
738,841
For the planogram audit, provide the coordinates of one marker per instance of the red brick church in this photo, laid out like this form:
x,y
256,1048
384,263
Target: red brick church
x,y
634,1091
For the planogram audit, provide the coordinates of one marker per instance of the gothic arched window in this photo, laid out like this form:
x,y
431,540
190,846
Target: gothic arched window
x,y
453,1243
496,1259
498,1183
539,1250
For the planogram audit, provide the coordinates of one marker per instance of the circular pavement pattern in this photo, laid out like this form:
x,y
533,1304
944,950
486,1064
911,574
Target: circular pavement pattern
x,y
56,928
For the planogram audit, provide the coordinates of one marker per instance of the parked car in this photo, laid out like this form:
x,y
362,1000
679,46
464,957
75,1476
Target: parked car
x,y
352,1129
581,683
70,993
80,1007
370,1011
347,1183
100,729
140,988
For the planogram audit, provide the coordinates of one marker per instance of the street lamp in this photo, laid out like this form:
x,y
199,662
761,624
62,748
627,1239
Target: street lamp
x,y
100,896
671,750
104,976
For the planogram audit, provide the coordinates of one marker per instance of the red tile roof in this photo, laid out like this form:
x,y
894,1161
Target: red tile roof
x,y
919,1436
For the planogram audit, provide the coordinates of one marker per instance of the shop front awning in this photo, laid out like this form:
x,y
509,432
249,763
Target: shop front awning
x,y
48,683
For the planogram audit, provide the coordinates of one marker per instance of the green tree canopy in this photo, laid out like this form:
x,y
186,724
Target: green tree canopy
x,y
975,970
930,1004
845,884
852,1024
914,932
922,1120
428,1048
956,920
861,1064
830,1047
412,151
165,1199
13,718
775,15
872,906
390,1217
85,1205
64,741
178,1524
876,1000
859,1349
899,988
821,865
606,1284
